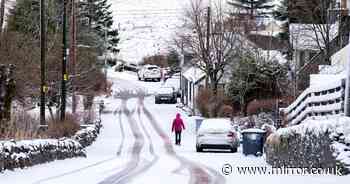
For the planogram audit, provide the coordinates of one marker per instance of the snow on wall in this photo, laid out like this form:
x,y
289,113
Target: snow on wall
x,y
320,99
25,153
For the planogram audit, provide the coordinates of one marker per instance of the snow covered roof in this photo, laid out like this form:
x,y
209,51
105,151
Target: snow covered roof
x,y
194,74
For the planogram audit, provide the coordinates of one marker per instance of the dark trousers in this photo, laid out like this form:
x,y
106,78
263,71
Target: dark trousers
x,y
177,137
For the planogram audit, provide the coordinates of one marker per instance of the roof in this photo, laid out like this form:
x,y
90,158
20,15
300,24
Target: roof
x,y
267,42
194,74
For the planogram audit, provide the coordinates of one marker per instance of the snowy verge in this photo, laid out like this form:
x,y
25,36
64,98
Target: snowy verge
x,y
25,153
312,144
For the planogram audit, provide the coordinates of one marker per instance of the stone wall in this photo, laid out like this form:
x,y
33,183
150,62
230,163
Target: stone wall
x,y
21,154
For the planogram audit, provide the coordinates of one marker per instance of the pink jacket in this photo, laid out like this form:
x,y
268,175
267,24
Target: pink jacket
x,y
178,124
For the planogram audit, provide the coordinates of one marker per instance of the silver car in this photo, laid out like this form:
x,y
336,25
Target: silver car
x,y
165,94
217,134
149,72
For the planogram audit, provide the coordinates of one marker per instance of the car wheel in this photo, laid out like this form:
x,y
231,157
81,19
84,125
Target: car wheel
x,y
174,101
233,150
156,101
199,149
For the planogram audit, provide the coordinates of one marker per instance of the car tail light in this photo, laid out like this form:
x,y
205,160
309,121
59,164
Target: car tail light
x,y
231,134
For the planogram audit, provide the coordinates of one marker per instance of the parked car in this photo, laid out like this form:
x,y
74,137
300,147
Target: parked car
x,y
149,72
131,67
166,94
167,73
217,134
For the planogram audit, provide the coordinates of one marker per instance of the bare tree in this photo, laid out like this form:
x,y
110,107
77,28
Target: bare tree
x,y
214,56
316,17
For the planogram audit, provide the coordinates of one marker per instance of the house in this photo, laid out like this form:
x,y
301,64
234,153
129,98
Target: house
x,y
192,80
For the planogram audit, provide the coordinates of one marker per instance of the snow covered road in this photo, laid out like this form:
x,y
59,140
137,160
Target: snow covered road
x,y
136,146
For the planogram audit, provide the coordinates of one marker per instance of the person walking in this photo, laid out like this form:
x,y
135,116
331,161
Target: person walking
x,y
178,126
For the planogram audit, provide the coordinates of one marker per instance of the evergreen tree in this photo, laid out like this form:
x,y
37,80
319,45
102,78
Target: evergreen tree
x,y
24,17
100,19
254,8
282,14
254,78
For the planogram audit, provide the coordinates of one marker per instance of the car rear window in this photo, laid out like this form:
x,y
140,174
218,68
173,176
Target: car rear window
x,y
215,125
151,68
165,90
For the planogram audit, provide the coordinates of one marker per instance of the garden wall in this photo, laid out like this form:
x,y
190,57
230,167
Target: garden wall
x,y
25,153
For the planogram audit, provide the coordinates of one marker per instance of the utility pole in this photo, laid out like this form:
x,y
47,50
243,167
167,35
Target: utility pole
x,y
105,60
208,43
64,63
43,87
73,54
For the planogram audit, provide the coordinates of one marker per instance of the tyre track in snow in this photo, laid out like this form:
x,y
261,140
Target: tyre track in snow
x,y
199,174
122,131
117,111
133,167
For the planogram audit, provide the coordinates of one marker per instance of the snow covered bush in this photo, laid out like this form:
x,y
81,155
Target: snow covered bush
x,y
30,152
25,153
262,121
87,135
313,144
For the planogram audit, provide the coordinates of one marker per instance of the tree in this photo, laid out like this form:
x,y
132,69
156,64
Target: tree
x,y
100,20
281,14
214,56
254,8
19,46
24,17
7,91
314,14
256,78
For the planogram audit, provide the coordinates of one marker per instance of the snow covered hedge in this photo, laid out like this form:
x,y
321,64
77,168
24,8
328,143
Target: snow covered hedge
x,y
20,154
312,144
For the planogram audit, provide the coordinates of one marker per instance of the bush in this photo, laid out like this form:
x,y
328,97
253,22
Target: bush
x,y
202,100
66,128
258,106
210,105
225,111
302,151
